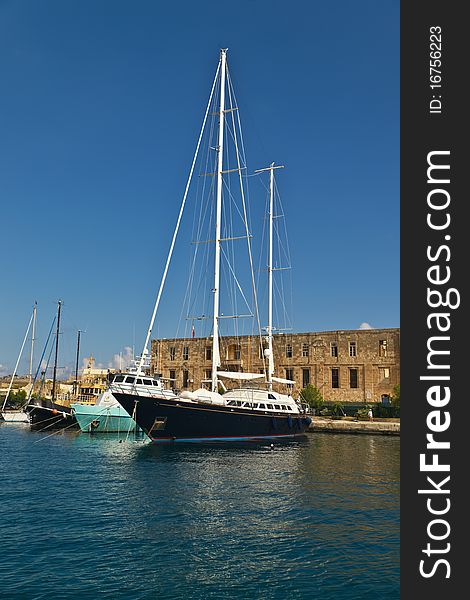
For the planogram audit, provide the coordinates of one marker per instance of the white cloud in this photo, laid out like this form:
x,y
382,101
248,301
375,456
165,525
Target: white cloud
x,y
365,326
122,360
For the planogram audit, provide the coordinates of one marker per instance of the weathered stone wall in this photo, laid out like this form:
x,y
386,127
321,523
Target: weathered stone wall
x,y
374,355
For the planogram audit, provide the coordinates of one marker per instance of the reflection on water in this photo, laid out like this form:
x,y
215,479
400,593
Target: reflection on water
x,y
316,518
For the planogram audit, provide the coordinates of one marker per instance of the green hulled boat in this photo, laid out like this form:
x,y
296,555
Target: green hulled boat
x,y
106,416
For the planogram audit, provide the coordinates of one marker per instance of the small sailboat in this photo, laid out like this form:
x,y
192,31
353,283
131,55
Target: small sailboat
x,y
19,415
45,414
206,414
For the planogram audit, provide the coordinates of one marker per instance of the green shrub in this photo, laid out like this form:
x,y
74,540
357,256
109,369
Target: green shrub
x,y
312,396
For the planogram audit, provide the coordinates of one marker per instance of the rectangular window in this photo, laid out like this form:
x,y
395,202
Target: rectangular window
x,y
290,374
172,375
305,377
208,374
288,350
383,348
172,351
208,352
335,378
353,378
384,373
334,349
352,349
305,350
237,353
185,352
261,351
185,378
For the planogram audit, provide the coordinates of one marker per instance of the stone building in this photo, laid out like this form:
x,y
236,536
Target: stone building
x,y
357,366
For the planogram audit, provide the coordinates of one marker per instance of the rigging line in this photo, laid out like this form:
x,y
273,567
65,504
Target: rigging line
x,y
262,247
203,270
54,432
18,361
230,253
175,233
231,246
242,144
281,296
41,359
185,306
205,204
286,248
232,198
202,219
43,381
248,239
286,237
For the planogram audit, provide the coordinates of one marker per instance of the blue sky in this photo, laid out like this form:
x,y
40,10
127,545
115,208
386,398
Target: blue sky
x,y
100,109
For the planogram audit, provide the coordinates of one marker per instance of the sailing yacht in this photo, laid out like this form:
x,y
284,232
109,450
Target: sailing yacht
x,y
45,414
19,415
206,414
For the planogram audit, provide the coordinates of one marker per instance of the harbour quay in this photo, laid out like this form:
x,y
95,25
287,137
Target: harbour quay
x,y
355,426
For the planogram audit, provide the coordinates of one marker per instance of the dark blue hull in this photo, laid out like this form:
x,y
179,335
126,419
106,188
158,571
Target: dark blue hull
x,y
172,421
49,415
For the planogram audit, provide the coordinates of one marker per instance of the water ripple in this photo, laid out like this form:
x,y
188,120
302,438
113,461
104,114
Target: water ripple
x,y
83,516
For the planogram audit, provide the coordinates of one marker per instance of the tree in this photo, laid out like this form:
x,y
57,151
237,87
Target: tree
x,y
16,399
396,396
312,396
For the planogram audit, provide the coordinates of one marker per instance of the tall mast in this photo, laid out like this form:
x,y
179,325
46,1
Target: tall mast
x,y
270,280
75,391
175,233
269,328
220,156
33,333
54,378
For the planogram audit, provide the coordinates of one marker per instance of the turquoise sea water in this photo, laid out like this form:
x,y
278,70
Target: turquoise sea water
x,y
90,517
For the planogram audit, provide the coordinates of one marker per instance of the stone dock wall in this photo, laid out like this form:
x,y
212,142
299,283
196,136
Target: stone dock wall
x,y
382,427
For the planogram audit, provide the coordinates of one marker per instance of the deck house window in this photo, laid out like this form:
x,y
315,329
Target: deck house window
x,y
335,378
305,377
172,351
352,349
185,352
305,350
288,350
353,378
334,349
